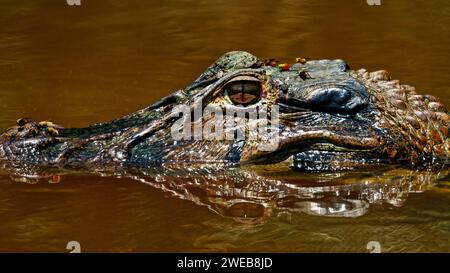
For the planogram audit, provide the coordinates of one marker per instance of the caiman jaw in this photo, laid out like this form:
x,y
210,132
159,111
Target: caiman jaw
x,y
329,157
312,141
327,150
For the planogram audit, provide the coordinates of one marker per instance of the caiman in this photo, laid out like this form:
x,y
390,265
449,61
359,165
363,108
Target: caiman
x,y
329,118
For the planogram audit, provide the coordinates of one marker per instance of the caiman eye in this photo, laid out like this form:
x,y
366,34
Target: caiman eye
x,y
243,92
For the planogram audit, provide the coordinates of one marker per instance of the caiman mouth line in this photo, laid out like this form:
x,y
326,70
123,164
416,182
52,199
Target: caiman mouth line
x,y
303,140
317,136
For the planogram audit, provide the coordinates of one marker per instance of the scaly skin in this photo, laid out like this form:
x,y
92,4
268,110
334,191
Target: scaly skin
x,y
330,118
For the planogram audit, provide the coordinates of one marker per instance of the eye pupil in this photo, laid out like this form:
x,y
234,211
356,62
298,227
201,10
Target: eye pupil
x,y
243,98
244,92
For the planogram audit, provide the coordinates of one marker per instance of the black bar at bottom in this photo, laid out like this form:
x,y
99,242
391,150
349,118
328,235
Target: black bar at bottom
x,y
217,262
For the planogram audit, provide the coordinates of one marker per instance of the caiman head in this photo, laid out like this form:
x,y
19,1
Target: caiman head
x,y
241,110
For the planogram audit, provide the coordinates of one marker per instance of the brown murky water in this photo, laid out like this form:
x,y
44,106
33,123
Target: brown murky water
x,y
104,59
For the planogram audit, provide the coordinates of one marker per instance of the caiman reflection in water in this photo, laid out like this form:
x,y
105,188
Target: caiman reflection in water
x,y
252,194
